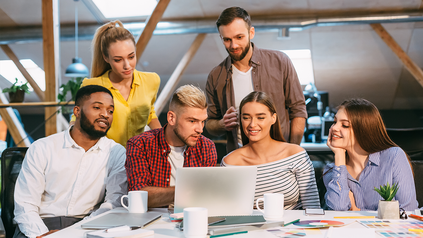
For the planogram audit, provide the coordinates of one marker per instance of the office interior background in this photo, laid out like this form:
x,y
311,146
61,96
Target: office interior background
x,y
331,43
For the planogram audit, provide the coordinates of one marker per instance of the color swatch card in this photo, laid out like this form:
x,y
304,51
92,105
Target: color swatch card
x,y
322,232
393,225
319,223
392,228
296,233
389,234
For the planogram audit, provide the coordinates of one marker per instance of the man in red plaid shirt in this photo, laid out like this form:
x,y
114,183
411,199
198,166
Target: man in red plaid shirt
x,y
153,156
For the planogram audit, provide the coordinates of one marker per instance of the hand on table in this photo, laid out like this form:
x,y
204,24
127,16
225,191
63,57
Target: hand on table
x,y
230,119
48,233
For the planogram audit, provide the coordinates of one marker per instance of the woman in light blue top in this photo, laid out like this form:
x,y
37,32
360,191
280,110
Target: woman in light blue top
x,y
365,158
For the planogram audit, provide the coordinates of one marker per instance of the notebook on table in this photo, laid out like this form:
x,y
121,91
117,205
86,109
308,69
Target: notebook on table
x,y
224,191
234,221
121,219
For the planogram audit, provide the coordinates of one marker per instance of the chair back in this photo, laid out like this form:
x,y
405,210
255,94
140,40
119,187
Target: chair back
x,y
319,160
418,169
11,164
409,139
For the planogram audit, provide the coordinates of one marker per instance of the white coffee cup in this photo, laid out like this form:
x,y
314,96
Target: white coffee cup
x,y
137,201
195,222
273,206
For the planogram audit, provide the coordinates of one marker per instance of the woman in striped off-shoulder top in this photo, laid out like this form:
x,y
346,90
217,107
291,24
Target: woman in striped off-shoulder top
x,y
281,167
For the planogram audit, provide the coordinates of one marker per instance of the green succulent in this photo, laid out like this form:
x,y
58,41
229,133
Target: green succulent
x,y
387,192
14,87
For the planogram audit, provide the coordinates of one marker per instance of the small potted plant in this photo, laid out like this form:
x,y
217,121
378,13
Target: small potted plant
x,y
387,208
71,86
17,92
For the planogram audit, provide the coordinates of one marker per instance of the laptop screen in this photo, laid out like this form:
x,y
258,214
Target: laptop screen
x,y
222,190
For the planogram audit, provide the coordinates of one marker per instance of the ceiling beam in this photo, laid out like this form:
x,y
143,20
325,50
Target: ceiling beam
x,y
50,12
273,23
177,73
150,26
409,64
31,81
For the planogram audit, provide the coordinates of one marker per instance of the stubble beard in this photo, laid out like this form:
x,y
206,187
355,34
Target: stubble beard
x,y
185,140
242,55
89,128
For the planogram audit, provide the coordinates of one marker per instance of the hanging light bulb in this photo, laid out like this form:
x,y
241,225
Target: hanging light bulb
x,y
77,68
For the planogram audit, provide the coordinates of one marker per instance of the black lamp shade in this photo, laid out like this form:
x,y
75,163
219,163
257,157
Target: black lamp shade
x,y
76,69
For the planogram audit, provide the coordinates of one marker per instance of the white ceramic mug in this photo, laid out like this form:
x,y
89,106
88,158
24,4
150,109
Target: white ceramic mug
x,y
273,206
137,201
195,222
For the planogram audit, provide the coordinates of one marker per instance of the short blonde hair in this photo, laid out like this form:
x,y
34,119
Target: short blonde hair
x,y
188,96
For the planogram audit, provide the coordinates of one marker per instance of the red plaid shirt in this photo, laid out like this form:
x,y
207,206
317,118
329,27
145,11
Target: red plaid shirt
x,y
147,158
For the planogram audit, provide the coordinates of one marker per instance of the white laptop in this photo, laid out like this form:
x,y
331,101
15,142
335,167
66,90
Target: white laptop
x,y
224,191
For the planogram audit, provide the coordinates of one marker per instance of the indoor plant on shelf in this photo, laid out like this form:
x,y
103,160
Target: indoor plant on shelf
x,y
387,208
71,86
17,92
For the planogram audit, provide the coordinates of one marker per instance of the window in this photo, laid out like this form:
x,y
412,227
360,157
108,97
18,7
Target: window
x,y
303,65
125,8
9,71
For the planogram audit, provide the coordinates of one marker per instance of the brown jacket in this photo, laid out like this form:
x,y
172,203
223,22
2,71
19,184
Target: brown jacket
x,y
273,73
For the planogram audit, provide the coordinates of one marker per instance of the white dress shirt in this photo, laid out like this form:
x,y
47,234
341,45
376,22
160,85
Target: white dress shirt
x,y
58,178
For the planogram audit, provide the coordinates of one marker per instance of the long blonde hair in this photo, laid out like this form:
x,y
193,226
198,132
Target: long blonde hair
x,y
104,36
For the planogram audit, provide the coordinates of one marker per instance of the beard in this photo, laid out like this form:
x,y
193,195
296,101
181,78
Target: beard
x,y
89,128
185,140
242,55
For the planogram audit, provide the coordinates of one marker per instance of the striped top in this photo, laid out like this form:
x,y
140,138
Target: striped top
x,y
387,166
293,176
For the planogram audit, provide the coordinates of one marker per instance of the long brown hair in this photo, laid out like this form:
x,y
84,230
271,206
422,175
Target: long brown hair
x,y
263,98
104,36
367,125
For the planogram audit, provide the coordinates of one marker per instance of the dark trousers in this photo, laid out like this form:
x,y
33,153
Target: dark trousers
x,y
52,223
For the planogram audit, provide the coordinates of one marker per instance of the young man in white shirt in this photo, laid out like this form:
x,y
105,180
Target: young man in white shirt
x,y
69,175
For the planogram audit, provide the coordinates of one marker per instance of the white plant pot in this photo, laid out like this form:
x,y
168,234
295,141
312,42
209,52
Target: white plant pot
x,y
388,210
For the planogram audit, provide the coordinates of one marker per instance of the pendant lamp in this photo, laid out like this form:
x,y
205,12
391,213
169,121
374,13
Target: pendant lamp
x,y
77,68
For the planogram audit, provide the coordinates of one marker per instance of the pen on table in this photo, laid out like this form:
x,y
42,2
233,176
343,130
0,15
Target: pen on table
x,y
420,218
292,222
329,233
229,234
355,217
416,230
